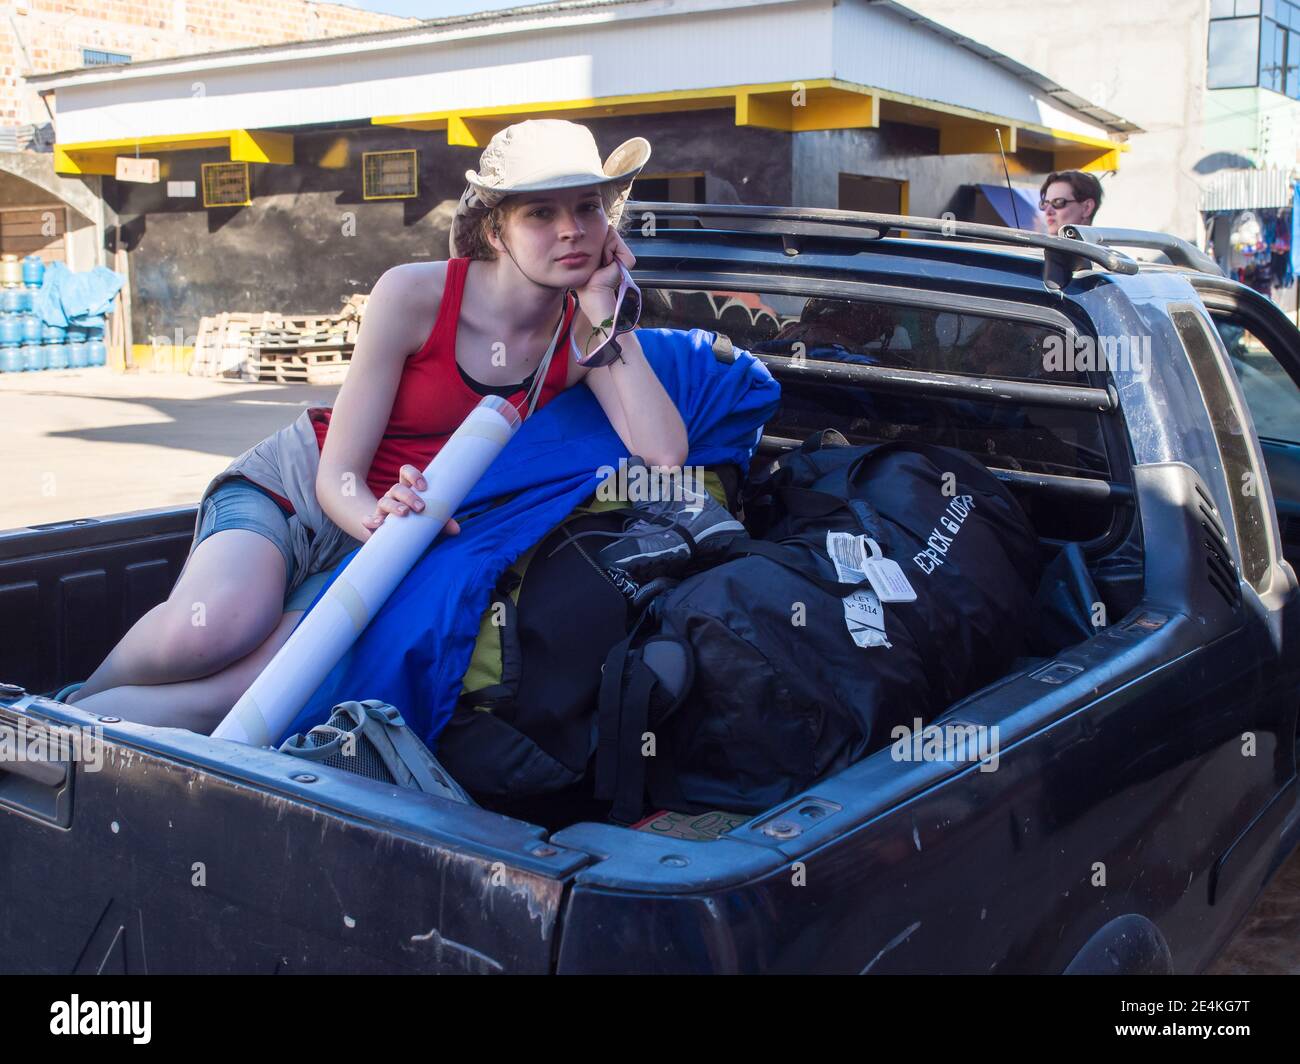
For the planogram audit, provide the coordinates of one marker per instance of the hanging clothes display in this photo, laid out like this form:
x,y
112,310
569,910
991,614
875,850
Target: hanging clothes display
x,y
1259,251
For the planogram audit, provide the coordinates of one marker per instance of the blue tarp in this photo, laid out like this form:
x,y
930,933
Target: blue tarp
x,y
68,298
414,653
1026,214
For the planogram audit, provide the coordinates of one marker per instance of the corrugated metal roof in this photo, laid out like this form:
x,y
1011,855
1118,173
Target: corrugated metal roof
x,y
1240,190
503,15
1062,95
531,12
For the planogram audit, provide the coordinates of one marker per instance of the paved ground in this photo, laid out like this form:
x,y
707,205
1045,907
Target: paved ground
x,y
1268,943
90,442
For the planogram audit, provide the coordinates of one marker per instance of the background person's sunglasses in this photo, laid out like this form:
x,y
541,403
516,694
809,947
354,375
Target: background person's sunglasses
x,y
601,348
1055,204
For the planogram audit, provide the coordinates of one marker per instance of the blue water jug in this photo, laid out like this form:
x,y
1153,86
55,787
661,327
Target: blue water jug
x,y
31,329
98,352
11,329
33,270
52,334
75,334
78,355
10,298
11,359
34,356
57,356
26,300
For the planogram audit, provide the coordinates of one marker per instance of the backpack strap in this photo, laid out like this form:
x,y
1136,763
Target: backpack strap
x,y
789,559
611,730
631,690
808,502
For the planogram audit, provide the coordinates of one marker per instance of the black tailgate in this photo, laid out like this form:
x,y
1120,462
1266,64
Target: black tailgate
x,y
165,851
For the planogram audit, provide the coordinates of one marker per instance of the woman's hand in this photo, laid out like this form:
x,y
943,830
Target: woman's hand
x,y
599,296
401,499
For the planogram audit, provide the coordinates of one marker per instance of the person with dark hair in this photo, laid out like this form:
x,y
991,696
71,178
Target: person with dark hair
x,y
1069,197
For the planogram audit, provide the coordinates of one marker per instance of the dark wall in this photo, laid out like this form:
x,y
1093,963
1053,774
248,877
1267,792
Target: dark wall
x,y
309,239
902,153
741,164
306,242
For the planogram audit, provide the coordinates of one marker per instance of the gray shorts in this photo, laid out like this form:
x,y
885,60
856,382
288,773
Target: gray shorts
x,y
240,503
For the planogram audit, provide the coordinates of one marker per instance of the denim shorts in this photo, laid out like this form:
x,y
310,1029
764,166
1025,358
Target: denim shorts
x,y
241,504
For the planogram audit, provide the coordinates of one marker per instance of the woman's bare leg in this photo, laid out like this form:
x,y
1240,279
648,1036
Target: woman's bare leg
x,y
199,705
227,601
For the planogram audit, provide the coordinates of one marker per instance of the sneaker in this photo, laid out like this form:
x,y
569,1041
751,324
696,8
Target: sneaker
x,y
666,534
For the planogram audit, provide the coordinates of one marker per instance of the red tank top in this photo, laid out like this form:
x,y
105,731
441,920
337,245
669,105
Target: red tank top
x,y
432,398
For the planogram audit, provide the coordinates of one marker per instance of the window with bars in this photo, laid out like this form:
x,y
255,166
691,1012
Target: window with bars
x,y
389,174
226,185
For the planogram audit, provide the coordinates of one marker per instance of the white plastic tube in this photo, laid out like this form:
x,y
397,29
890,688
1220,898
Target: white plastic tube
x,y
357,593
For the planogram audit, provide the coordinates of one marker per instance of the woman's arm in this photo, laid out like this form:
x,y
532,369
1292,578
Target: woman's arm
x,y
634,400
365,402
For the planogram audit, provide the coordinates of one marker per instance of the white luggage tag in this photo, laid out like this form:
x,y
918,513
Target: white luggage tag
x,y
862,611
886,576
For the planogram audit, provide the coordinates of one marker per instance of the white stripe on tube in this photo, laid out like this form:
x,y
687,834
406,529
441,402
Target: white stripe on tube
x,y
352,600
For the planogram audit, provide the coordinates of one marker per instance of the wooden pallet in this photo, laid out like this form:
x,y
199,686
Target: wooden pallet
x,y
300,367
224,343
286,348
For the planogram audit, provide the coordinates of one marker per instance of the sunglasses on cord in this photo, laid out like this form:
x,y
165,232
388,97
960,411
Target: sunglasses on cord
x,y
602,347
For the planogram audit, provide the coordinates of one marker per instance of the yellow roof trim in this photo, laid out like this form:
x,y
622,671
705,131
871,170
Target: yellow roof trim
x,y
473,126
244,145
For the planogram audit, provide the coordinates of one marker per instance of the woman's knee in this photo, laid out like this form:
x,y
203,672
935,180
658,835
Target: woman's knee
x,y
230,683
209,633
228,600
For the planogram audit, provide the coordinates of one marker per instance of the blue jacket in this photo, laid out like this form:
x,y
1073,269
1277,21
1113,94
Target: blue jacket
x,y
415,652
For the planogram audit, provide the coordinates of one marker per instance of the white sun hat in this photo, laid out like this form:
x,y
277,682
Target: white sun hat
x,y
546,154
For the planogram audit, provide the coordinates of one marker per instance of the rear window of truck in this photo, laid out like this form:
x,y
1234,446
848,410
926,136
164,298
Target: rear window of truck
x,y
1036,439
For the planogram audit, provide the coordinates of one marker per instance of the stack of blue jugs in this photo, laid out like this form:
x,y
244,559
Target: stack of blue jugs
x,y
26,342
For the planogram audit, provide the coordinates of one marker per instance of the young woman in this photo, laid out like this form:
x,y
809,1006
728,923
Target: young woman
x,y
538,222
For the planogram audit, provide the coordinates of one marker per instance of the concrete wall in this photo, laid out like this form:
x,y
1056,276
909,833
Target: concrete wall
x,y
44,36
1257,126
1144,61
900,153
309,239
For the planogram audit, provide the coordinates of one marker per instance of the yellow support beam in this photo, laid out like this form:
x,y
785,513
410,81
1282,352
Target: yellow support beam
x,y
967,137
83,163
819,103
244,145
800,107
261,146
1090,160
763,110
471,132
788,106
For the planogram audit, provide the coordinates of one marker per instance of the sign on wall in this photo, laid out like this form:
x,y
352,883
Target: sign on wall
x,y
130,168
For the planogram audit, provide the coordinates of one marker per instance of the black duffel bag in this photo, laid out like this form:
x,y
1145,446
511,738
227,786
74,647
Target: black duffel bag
x,y
748,682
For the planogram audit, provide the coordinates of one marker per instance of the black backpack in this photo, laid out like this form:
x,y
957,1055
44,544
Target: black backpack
x,y
746,683
533,731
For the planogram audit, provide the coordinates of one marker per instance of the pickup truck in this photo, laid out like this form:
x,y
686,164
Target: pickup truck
x,y
1145,789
